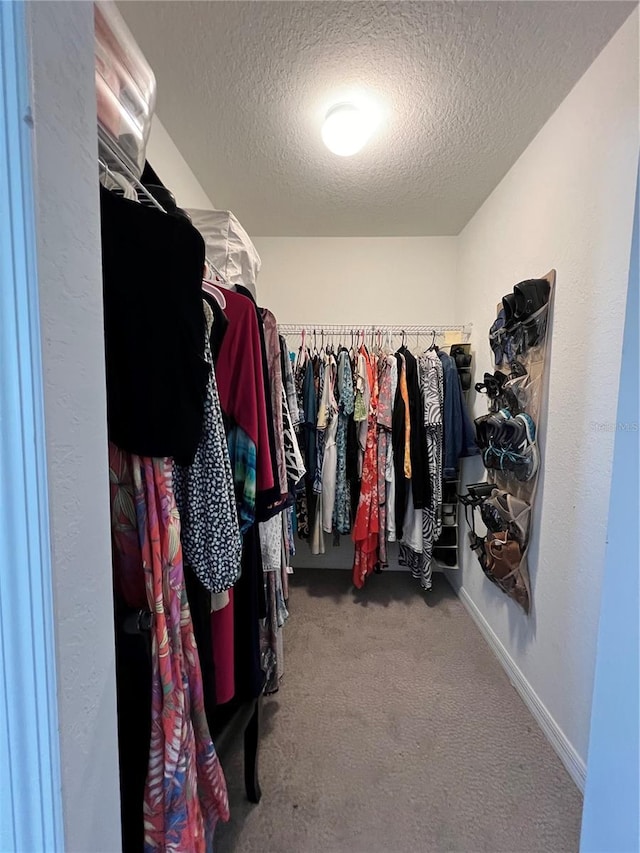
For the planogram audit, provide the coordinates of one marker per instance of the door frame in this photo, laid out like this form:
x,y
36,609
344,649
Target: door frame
x,y
31,801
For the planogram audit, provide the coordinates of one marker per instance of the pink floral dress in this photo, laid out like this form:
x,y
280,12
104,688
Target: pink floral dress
x,y
185,792
367,522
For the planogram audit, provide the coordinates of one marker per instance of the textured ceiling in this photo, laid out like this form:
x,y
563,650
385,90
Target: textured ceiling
x,y
464,87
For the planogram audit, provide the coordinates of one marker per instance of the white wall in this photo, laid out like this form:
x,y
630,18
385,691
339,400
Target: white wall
x,y
173,170
70,284
366,280
567,203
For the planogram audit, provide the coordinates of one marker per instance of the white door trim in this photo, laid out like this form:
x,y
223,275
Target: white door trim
x,y
31,801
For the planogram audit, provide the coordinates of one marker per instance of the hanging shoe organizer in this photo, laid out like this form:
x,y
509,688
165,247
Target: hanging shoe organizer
x,y
445,548
508,436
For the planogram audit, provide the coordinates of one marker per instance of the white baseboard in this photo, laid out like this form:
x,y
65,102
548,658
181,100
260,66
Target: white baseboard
x,y
574,764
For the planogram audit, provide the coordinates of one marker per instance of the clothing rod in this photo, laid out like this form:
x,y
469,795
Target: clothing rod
x,y
131,177
293,328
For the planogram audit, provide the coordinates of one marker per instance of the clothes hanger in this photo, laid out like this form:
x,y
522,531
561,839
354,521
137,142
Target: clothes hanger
x,y
433,342
302,351
211,288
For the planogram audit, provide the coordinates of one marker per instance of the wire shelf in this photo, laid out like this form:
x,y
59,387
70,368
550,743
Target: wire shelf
x,y
324,330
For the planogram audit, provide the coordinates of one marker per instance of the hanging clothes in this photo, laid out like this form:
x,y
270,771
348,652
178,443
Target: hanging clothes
x,y
272,343
417,439
147,361
289,382
329,462
345,400
268,499
218,327
459,436
366,524
432,386
185,791
242,398
321,422
361,405
401,455
205,497
390,473
271,644
384,419
294,462
401,438
317,533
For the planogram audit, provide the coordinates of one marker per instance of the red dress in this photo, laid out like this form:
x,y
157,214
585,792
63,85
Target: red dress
x,y
240,381
367,521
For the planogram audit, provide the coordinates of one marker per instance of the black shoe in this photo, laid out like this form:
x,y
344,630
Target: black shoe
x,y
492,385
509,307
530,296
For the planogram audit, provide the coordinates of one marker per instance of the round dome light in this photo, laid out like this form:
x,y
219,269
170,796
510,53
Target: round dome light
x,y
347,129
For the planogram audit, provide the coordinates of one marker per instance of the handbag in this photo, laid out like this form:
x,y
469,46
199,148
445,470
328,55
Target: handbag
x,y
503,554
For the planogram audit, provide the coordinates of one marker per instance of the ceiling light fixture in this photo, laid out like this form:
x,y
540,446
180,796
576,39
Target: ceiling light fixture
x,y
347,129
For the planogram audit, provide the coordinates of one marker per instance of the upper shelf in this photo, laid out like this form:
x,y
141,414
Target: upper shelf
x,y
125,88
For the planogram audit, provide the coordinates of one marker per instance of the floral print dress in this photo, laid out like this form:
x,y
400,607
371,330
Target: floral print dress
x,y
344,384
185,791
367,522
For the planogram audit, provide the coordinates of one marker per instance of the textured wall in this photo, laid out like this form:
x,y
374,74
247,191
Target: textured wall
x,y
68,234
358,279
567,203
173,170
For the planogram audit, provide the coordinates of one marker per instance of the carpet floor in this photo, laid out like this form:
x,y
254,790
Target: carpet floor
x,y
396,729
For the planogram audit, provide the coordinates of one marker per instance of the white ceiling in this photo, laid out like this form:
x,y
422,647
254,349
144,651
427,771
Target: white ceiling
x,y
243,88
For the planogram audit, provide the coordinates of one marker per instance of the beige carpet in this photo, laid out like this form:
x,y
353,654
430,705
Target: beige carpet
x,y
395,729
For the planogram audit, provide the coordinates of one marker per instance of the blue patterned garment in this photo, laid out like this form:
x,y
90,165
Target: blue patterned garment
x,y
344,384
320,436
242,453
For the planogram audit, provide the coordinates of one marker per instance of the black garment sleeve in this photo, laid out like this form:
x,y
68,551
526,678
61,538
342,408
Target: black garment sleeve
x,y
397,442
154,326
420,485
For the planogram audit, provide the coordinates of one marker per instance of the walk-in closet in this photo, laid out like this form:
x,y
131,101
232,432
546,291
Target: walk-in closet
x,y
332,304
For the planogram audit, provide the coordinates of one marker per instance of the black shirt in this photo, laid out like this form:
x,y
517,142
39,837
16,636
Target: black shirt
x,y
154,329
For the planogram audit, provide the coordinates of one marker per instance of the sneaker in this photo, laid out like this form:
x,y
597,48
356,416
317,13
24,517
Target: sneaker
x,y
511,444
510,512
